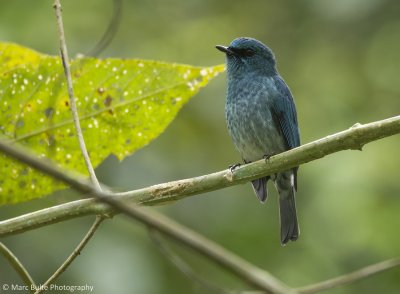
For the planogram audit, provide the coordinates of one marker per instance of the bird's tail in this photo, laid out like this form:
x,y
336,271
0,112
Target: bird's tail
x,y
260,188
285,184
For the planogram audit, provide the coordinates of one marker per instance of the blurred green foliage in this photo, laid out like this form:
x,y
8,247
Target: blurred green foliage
x,y
128,102
341,60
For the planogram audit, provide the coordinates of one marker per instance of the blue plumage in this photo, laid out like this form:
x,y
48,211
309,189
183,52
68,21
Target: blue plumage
x,y
262,120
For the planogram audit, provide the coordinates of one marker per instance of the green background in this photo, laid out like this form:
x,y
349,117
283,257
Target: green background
x,y
341,60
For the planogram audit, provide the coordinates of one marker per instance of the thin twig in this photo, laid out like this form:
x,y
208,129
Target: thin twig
x,y
73,255
18,266
352,277
65,61
82,145
110,31
181,265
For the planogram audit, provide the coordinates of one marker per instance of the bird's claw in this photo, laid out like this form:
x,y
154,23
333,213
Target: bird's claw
x,y
268,156
234,166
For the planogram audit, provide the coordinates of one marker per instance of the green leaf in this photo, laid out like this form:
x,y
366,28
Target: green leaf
x,y
122,104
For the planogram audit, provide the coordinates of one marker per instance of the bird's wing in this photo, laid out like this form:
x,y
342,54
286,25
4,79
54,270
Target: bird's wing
x,y
285,117
284,113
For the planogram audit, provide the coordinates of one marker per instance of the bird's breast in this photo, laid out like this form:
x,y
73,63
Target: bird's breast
x,y
249,118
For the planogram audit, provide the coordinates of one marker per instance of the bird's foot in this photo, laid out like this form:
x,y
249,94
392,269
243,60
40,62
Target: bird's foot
x,y
267,156
234,166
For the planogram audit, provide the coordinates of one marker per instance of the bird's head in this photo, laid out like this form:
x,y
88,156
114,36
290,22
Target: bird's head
x,y
248,55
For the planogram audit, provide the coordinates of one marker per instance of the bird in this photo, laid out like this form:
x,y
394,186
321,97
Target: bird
x,y
262,121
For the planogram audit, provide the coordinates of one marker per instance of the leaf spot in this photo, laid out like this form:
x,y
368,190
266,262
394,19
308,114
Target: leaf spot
x,y
49,112
107,102
20,123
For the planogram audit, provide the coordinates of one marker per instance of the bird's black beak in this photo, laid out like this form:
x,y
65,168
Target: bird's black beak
x,y
224,49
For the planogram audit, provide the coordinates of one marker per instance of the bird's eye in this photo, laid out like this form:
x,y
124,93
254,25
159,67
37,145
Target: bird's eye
x,y
245,52
248,52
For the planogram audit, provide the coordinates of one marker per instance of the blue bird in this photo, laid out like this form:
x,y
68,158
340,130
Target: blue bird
x,y
262,121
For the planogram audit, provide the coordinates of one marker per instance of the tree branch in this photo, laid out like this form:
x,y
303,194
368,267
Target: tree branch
x,y
73,255
18,266
353,138
363,273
